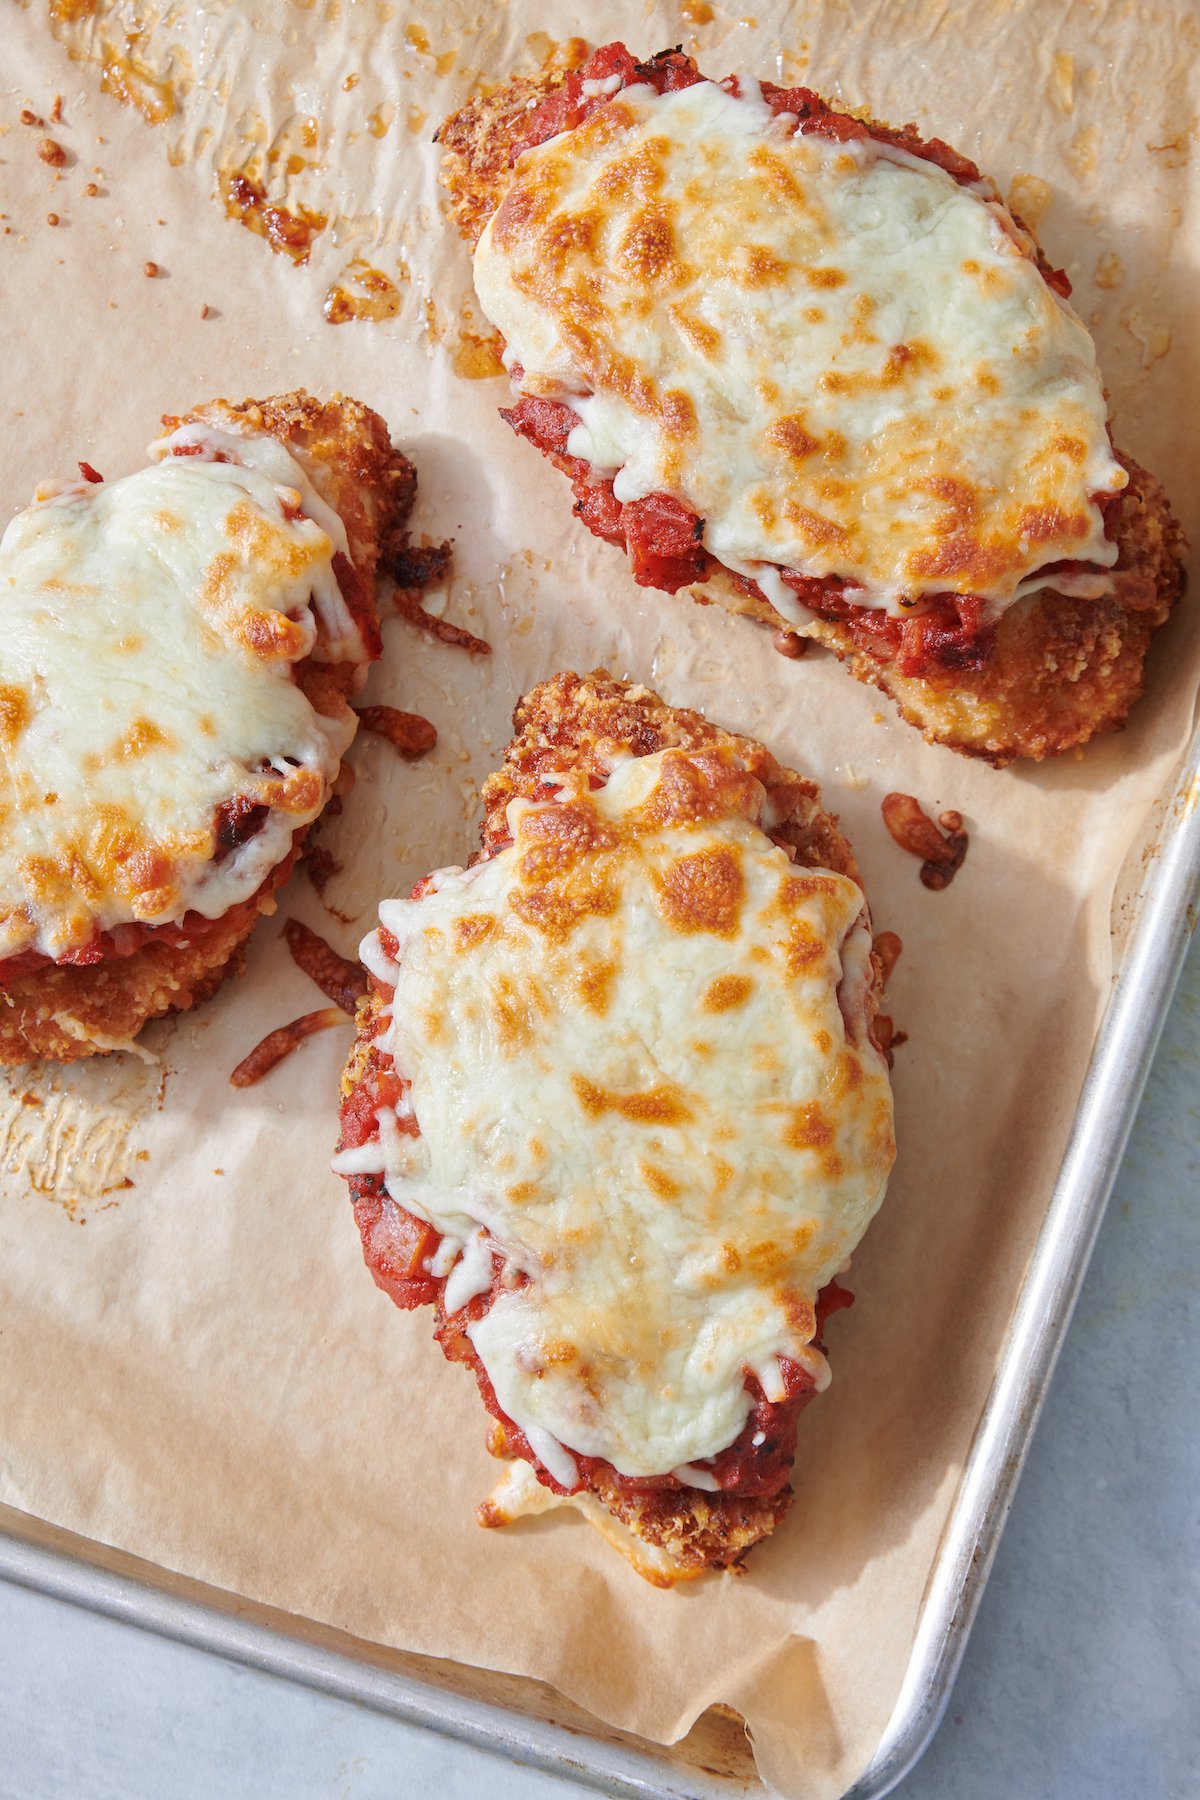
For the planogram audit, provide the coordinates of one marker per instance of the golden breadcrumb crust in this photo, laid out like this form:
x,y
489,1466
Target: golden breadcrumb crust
x,y
1061,671
63,1011
576,721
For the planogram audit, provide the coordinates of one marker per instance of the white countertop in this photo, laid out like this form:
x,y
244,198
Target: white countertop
x,y
1081,1680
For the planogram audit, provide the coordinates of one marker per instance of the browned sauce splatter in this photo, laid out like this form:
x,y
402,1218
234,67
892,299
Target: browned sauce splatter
x,y
339,980
289,233
477,356
121,77
378,296
942,850
556,53
281,1042
407,732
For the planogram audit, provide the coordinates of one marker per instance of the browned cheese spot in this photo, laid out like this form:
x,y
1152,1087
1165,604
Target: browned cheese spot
x,y
14,715
647,253
809,1128
515,1010
1042,524
960,554
473,929
693,789
525,1193
595,982
665,1104
726,993
903,360
562,868
800,1314
816,529
1073,448
703,337
763,269
661,1185
791,435
703,891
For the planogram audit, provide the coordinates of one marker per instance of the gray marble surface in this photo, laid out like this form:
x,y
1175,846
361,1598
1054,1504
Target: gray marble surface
x,y
1081,1680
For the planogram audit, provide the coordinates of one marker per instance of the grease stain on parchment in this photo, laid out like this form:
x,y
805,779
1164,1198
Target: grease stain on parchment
x,y
293,158
69,1134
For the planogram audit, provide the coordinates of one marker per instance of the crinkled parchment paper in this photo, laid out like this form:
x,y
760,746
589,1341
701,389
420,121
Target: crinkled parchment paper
x,y
194,1366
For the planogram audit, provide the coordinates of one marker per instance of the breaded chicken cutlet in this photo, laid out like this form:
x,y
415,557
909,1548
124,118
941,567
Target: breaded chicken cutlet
x,y
177,657
811,368
617,1111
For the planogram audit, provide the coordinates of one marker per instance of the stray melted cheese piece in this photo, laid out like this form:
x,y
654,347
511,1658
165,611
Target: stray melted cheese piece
x,y
845,362
148,632
641,1073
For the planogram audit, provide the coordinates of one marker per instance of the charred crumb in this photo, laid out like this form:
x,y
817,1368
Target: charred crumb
x,y
888,946
942,847
409,733
51,152
340,980
790,644
150,270
322,866
53,219
281,1042
408,605
419,566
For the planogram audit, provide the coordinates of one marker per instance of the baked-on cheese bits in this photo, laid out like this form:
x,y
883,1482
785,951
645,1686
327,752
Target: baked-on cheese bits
x,y
618,1110
177,653
816,369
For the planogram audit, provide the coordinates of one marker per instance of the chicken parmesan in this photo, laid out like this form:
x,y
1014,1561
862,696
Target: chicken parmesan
x,y
812,367
618,1111
178,652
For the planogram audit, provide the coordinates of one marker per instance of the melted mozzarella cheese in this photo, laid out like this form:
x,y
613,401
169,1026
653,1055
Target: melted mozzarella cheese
x,y
148,632
642,1077
845,362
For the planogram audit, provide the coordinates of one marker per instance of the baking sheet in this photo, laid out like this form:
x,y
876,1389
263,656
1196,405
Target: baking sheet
x,y
205,1376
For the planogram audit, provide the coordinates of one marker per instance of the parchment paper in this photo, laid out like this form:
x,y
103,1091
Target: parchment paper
x,y
204,1375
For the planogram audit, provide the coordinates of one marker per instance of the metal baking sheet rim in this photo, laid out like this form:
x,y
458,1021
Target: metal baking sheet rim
x,y
1108,1102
